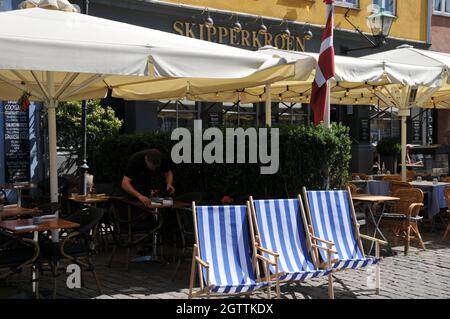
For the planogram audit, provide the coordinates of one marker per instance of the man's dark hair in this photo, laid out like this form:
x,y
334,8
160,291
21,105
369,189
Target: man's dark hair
x,y
154,156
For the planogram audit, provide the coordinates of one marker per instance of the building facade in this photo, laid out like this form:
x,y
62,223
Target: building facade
x,y
440,40
302,18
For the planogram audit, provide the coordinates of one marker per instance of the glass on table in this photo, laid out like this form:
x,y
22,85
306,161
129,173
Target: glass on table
x,y
435,181
419,178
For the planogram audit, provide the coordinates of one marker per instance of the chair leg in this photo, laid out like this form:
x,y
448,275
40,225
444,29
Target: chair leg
x,y
407,239
446,232
54,271
330,286
91,265
112,256
191,280
377,270
415,228
128,259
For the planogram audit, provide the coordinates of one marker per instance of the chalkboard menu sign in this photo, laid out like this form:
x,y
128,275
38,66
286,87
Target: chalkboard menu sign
x,y
17,143
215,119
364,130
416,132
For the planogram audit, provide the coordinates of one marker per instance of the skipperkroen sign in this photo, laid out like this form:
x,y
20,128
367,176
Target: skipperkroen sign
x,y
244,38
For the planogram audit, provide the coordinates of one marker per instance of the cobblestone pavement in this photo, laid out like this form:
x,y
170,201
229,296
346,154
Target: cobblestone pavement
x,y
421,274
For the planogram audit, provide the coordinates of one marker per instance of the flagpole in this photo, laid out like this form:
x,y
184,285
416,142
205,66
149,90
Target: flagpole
x,y
327,116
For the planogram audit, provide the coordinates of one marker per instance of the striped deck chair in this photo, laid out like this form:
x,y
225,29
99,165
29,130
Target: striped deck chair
x,y
281,228
223,256
332,217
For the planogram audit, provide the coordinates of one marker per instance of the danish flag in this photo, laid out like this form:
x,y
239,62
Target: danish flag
x,y
325,68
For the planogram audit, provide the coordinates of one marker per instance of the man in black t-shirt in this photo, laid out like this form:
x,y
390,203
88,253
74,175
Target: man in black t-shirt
x,y
142,170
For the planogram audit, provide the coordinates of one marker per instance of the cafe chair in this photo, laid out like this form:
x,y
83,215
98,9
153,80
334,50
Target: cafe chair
x,y
403,217
410,175
78,246
394,186
132,228
447,198
224,256
281,228
185,226
362,176
331,216
16,253
355,190
390,178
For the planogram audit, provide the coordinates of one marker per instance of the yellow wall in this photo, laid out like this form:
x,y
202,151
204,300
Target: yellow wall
x,y
411,23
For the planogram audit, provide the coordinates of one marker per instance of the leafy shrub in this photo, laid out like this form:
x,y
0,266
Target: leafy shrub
x,y
389,146
308,155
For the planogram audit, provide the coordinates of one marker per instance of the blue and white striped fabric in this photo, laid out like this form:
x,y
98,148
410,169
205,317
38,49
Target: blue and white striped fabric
x,y
281,230
225,243
332,220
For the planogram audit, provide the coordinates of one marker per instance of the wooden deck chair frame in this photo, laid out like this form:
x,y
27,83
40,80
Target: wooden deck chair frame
x,y
312,248
198,265
359,236
447,198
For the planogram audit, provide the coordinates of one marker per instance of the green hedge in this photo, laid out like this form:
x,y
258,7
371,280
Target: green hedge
x,y
307,156
389,146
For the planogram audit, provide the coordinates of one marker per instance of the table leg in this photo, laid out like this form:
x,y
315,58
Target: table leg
x,y
154,256
35,273
377,228
19,197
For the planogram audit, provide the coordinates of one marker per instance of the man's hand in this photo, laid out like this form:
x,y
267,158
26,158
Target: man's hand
x,y
170,189
145,200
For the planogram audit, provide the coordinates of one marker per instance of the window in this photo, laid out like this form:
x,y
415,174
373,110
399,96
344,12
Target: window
x,y
5,5
442,7
348,3
387,5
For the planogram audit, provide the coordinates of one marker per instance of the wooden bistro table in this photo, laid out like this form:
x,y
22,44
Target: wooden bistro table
x,y
16,211
18,187
370,201
24,226
153,209
87,200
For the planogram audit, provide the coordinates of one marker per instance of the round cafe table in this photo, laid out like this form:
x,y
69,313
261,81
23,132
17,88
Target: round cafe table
x,y
370,201
19,186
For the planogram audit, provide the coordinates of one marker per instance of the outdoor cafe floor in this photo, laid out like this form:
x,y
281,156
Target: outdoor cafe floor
x,y
421,274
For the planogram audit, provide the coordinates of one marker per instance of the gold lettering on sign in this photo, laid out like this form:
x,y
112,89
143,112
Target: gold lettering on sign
x,y
178,27
279,41
289,44
268,39
189,32
256,43
233,37
202,30
211,31
300,44
223,33
245,38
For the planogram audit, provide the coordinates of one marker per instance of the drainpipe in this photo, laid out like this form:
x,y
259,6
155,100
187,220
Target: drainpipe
x,y
430,14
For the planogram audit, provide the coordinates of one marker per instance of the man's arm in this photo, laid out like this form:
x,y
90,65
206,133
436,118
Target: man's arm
x,y
126,186
169,182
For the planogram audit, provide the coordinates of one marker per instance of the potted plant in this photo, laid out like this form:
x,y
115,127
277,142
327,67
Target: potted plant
x,y
389,149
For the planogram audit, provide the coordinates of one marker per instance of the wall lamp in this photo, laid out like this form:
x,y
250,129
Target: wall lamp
x,y
380,23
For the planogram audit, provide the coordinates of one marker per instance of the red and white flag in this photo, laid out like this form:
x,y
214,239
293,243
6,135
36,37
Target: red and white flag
x,y
325,68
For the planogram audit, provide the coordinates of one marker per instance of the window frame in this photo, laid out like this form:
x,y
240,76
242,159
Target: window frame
x,y
345,4
441,12
394,7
